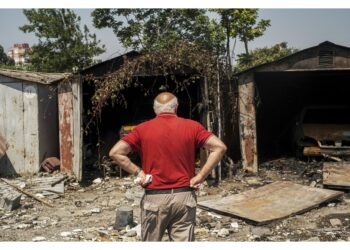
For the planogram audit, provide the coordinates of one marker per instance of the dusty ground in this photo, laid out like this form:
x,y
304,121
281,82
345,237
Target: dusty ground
x,y
87,211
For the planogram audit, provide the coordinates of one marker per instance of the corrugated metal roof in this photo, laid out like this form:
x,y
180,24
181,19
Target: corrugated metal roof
x,y
289,57
37,77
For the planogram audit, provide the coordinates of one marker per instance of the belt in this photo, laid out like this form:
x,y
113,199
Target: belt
x,y
168,191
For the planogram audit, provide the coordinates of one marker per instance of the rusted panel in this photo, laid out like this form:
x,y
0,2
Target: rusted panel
x,y
317,151
336,174
247,119
274,201
65,109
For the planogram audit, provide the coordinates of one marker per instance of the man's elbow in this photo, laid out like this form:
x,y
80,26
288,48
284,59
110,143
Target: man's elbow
x,y
113,154
222,149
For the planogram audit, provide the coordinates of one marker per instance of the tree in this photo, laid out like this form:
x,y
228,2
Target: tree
x,y
242,24
62,44
4,59
263,55
154,29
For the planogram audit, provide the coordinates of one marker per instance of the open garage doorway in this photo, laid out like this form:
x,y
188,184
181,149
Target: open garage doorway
x,y
135,107
282,96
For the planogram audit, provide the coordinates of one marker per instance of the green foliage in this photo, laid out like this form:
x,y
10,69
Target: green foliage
x,y
153,29
62,44
241,24
4,59
263,55
188,61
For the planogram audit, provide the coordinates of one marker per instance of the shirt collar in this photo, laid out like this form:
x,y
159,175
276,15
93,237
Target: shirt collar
x,y
166,114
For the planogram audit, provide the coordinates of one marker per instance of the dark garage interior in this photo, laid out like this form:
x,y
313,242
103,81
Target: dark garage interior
x,y
138,107
281,96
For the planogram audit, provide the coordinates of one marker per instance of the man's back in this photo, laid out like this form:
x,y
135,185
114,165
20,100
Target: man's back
x,y
167,145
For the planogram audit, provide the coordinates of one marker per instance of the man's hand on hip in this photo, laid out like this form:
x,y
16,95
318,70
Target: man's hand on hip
x,y
196,181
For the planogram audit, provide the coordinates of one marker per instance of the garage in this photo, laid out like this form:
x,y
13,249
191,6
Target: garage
x,y
274,96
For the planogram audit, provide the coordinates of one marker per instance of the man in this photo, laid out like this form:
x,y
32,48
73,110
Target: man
x,y
167,145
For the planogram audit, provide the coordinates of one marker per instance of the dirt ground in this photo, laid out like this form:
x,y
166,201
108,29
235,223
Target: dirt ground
x,y
86,212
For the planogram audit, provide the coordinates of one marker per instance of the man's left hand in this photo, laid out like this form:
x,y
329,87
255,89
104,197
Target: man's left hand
x,y
196,181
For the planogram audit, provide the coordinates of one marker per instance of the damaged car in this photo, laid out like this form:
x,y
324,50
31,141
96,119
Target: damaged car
x,y
323,131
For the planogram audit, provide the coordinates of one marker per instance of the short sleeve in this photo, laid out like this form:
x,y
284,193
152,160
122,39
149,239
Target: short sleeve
x,y
202,135
133,139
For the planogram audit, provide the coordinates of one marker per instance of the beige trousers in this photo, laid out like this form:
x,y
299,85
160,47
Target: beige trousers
x,y
175,212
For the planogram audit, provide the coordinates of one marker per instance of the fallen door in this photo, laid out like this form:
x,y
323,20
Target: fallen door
x,y
271,202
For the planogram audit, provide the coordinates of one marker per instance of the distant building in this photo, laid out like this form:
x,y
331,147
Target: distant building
x,y
17,53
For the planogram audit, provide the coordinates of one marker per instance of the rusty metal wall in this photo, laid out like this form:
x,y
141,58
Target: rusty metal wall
x,y
65,111
70,133
247,126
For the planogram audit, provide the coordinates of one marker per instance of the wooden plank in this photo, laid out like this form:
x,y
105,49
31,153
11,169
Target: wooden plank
x,y
336,174
274,201
31,128
77,128
14,126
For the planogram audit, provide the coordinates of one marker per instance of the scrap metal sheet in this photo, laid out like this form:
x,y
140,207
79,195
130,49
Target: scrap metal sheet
x,y
336,174
271,202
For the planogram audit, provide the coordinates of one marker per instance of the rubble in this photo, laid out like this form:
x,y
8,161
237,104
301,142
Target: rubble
x,y
131,233
72,218
335,222
223,232
39,238
260,231
9,198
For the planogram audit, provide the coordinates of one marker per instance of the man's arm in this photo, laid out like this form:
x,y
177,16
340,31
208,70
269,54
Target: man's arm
x,y
217,150
119,154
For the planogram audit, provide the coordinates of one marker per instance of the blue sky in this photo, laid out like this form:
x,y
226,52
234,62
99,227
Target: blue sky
x,y
301,28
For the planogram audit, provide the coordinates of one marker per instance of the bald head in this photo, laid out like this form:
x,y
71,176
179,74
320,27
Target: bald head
x,y
165,97
165,102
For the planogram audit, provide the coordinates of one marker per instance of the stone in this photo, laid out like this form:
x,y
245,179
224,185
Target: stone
x,y
313,184
313,239
38,239
137,229
124,217
201,232
261,231
218,225
9,199
77,231
66,234
253,181
97,181
212,224
102,232
335,222
214,215
95,210
331,205
24,226
202,193
235,226
223,232
131,233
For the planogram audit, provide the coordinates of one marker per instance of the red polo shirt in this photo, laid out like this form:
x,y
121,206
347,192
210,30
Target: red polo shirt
x,y
167,145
